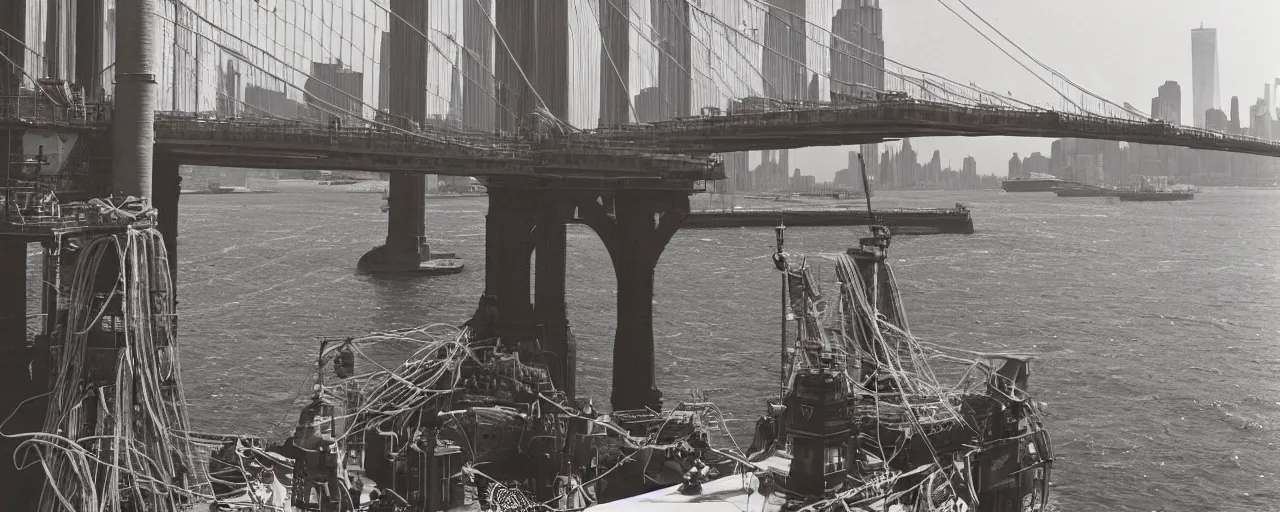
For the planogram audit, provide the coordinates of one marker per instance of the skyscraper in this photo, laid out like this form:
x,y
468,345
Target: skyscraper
x,y
334,90
857,46
1168,104
1234,120
857,57
1204,73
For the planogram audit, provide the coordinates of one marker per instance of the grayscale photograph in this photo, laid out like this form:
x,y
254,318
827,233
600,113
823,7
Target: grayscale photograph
x,y
639,256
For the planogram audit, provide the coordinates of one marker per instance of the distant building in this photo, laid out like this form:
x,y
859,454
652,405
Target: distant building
x,y
857,60
228,104
649,105
1216,119
970,169
334,90
857,46
1167,105
275,103
737,169
845,178
1260,120
1234,122
1037,163
1015,167
802,183
1205,93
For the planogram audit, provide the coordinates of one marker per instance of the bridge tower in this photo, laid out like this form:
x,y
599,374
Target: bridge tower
x,y
527,217
406,197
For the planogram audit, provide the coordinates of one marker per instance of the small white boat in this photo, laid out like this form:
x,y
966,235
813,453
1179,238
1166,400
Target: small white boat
x,y
441,266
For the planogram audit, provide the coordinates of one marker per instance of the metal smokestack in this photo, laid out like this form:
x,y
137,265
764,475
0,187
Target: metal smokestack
x,y
133,124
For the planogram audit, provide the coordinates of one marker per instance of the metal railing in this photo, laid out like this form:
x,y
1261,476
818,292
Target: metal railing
x,y
959,210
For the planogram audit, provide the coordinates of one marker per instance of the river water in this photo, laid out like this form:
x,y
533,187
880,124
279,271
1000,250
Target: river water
x,y
1154,324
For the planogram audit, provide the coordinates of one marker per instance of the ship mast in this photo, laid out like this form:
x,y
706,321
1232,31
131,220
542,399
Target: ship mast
x,y
882,241
780,260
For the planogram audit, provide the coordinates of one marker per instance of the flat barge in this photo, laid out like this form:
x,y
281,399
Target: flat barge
x,y
1086,191
1164,195
907,221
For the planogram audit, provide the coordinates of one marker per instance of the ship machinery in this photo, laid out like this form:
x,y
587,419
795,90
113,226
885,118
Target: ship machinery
x,y
861,422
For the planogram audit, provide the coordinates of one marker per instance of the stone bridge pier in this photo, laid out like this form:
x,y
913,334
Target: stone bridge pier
x,y
406,195
527,223
406,225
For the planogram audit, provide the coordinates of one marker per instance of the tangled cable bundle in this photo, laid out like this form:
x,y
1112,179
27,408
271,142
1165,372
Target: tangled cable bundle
x,y
390,398
114,434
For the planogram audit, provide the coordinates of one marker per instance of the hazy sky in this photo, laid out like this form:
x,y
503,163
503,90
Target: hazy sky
x,y
1120,49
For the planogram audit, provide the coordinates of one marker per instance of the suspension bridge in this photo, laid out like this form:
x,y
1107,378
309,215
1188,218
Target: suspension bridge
x,y
252,79
606,113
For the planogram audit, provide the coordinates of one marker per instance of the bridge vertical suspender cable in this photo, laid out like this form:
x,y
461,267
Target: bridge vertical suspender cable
x,y
319,100
604,50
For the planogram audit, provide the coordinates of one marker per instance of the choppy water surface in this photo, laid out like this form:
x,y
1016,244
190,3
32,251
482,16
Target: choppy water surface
x,y
1155,324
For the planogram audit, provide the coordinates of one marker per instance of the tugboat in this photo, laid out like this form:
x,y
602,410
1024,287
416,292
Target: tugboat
x,y
863,424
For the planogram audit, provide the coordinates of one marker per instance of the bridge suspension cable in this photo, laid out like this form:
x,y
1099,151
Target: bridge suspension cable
x,y
1103,108
241,58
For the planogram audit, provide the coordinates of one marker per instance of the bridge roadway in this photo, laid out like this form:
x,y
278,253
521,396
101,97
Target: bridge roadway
x,y
675,150
274,144
826,124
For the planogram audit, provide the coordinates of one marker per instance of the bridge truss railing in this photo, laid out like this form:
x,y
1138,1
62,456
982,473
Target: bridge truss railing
x,y
39,110
683,134
304,136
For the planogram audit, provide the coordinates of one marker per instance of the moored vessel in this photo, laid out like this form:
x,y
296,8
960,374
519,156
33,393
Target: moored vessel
x,y
1081,190
1035,183
862,423
1158,195
1158,188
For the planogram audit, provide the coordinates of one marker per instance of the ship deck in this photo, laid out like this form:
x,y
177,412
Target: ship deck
x,y
733,493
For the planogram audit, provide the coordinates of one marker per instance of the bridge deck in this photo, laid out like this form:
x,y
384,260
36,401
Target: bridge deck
x,y
666,150
874,122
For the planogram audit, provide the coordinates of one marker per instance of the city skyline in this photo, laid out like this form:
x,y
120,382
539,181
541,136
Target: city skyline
x,y
1125,56
1122,65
